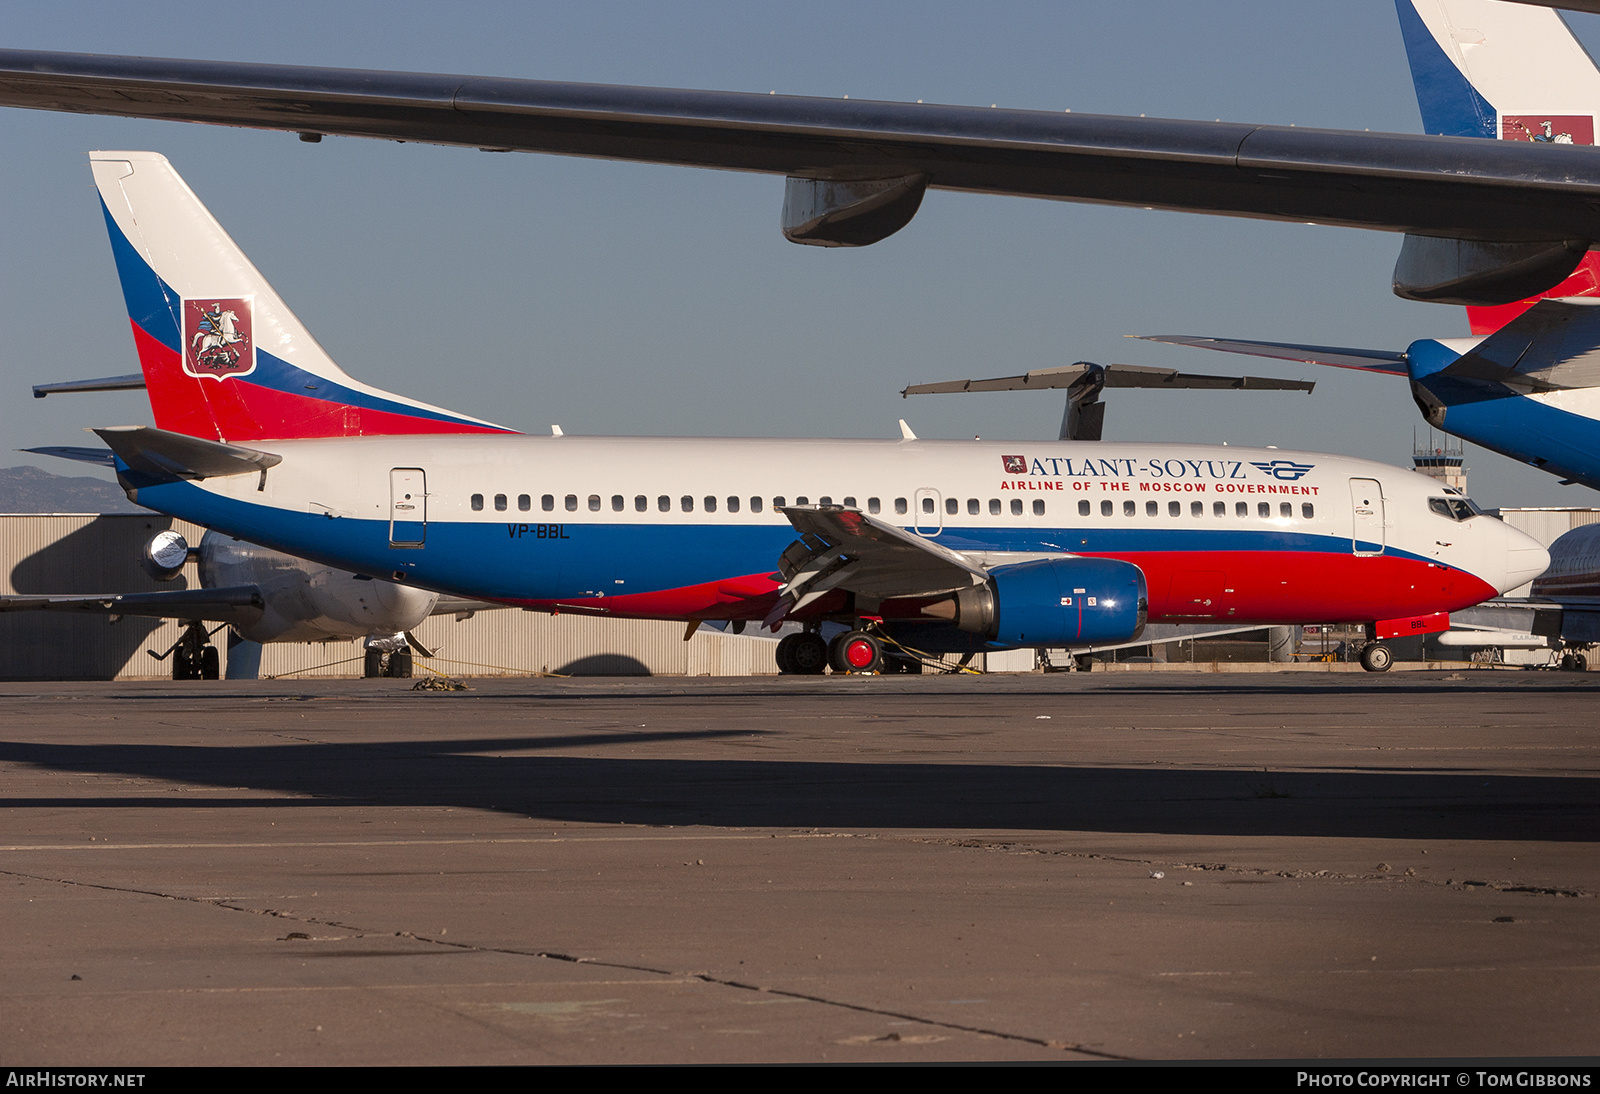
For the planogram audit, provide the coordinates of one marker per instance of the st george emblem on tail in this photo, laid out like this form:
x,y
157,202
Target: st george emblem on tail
x,y
216,338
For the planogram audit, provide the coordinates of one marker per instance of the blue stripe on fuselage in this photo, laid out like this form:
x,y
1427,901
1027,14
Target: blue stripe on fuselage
x,y
492,561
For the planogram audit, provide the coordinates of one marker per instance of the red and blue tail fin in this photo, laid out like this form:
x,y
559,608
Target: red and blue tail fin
x,y
223,357
1512,72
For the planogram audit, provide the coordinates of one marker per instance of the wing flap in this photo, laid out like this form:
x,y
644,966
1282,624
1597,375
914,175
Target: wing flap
x,y
1389,362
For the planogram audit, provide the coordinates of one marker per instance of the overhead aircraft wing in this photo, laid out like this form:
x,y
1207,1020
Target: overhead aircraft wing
x,y
1120,376
858,168
1367,360
239,604
847,549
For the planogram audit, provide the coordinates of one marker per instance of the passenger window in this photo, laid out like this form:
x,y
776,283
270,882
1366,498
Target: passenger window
x,y
755,505
777,502
1129,508
874,505
824,500
1308,511
594,503
1083,507
548,502
618,502
801,500
733,505
641,503
1038,508
1016,507
1197,508
1219,509
952,506
711,504
1286,509
850,503
687,503
572,503
499,503
664,503
927,505
1174,509
477,502
900,506
1150,508
1105,507
1264,510
1241,509
524,502
972,507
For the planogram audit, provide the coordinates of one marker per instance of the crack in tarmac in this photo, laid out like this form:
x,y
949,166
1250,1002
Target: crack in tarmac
x,y
551,955
1258,871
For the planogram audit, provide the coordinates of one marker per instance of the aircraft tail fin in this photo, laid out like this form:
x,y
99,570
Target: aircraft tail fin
x,y
1485,68
223,357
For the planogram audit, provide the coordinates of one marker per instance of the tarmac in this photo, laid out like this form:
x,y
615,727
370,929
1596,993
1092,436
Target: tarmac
x,y
1074,867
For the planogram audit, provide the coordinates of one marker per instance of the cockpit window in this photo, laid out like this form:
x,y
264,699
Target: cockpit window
x,y
1456,508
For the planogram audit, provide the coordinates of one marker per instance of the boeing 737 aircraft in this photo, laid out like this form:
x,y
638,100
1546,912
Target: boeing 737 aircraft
x,y
1527,385
934,545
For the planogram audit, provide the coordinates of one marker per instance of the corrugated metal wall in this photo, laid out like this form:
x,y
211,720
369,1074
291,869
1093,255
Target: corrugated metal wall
x,y
86,553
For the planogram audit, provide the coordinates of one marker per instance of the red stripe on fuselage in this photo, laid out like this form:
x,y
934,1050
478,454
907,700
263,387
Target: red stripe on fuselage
x,y
234,409
1242,586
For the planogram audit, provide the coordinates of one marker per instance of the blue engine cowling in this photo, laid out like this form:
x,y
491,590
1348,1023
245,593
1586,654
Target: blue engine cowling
x,y
1053,602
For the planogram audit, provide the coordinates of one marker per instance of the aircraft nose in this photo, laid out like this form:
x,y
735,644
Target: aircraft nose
x,y
1526,559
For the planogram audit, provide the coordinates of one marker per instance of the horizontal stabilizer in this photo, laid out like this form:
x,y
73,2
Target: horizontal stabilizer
x,y
133,381
1553,346
176,455
1119,376
98,456
1366,360
241,604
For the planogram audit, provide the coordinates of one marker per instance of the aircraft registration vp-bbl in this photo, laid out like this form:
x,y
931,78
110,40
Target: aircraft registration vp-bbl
x,y
937,545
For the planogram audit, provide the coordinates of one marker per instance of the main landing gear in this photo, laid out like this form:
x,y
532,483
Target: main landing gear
x,y
388,656
194,657
857,652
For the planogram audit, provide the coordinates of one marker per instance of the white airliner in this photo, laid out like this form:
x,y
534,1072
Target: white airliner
x,y
935,546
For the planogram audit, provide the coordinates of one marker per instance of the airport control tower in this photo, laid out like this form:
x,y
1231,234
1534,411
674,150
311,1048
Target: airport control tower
x,y
1442,458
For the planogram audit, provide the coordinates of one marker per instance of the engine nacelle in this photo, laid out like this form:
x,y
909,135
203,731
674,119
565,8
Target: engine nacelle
x,y
165,555
1053,602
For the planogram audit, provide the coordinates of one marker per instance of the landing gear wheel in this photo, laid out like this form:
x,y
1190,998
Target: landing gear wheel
x,y
183,666
373,664
809,655
785,654
1375,657
210,664
400,664
856,652
1580,663
1569,663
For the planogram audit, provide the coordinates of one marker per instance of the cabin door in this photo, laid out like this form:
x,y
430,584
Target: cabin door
x,y
408,507
1366,508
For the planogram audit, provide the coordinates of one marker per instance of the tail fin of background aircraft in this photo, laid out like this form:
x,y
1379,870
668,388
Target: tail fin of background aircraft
x,y
1505,71
223,357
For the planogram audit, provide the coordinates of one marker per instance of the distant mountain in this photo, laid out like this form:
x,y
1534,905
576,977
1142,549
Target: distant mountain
x,y
30,490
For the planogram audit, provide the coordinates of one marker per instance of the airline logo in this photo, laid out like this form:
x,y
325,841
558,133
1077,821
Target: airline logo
x,y
1284,470
1548,128
217,337
1015,465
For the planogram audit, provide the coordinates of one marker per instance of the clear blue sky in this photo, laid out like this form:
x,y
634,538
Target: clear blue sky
x,y
622,298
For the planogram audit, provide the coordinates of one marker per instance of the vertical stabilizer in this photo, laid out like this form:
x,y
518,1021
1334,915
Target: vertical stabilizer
x,y
223,357
1504,71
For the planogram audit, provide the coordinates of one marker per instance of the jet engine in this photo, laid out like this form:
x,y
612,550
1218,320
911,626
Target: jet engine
x,y
165,555
1053,602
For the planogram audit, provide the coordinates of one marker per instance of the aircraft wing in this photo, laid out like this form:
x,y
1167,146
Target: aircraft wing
x,y
1367,360
864,165
847,549
241,604
1119,376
